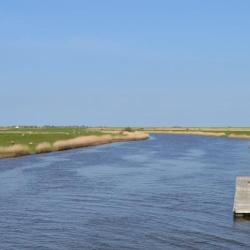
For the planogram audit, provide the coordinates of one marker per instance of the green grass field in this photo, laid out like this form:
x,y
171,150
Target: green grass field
x,y
23,141
33,136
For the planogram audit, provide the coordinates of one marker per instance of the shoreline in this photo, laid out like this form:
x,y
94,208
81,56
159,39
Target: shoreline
x,y
203,133
108,136
19,150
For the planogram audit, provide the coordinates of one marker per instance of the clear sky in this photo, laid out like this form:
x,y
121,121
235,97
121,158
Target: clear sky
x,y
125,62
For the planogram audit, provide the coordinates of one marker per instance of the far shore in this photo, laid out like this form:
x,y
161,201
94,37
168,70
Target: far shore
x,y
17,150
235,133
217,133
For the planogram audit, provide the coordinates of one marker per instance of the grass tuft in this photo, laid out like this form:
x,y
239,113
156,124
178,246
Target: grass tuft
x,y
43,147
13,151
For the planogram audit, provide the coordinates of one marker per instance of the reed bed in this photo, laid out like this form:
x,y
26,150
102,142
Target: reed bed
x,y
14,151
77,142
43,147
87,141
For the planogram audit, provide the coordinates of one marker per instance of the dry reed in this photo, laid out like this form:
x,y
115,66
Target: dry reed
x,y
43,147
14,150
86,141
82,141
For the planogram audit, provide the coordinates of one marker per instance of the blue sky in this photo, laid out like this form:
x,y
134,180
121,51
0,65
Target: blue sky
x,y
125,62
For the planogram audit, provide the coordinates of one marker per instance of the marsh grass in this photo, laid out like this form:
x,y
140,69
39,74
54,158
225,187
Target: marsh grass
x,y
33,137
83,141
16,142
223,132
14,150
86,141
43,147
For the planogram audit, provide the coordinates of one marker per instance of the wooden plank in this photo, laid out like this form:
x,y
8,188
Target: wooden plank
x,y
242,196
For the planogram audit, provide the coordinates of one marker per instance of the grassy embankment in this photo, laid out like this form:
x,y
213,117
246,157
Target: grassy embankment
x,y
240,133
24,141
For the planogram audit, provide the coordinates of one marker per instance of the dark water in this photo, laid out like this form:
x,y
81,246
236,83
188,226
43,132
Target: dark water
x,y
170,192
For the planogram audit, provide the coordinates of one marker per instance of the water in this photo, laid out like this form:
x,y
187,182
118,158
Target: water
x,y
170,192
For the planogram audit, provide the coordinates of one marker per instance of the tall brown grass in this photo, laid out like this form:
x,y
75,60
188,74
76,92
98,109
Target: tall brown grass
x,y
86,141
43,147
82,141
184,132
247,137
131,136
13,151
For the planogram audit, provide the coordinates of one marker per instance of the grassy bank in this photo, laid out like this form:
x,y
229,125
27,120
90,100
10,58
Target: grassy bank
x,y
24,141
240,133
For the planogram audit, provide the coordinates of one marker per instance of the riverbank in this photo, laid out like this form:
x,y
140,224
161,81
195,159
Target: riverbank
x,y
236,133
216,132
14,143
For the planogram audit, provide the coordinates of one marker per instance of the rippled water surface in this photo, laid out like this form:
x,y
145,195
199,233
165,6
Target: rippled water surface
x,y
170,192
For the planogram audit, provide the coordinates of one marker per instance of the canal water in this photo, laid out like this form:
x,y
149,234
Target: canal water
x,y
169,192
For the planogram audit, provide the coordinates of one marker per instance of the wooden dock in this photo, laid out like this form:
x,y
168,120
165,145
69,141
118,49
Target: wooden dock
x,y
242,196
